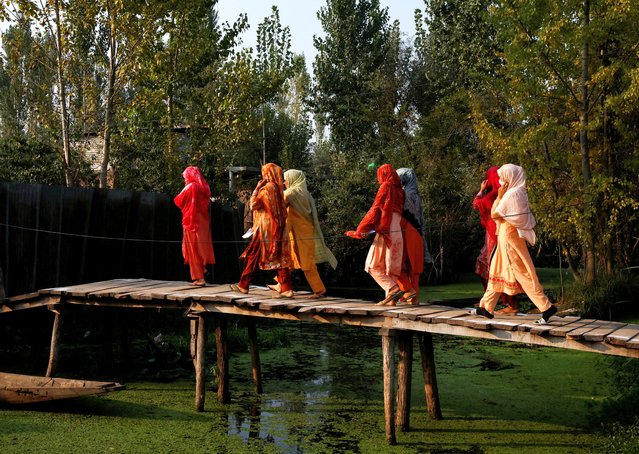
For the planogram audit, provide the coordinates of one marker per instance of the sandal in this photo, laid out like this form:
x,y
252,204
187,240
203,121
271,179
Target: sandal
x,y
407,297
392,294
199,283
287,295
237,289
316,296
275,287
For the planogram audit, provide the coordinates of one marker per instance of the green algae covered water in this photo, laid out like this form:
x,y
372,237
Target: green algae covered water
x,y
323,394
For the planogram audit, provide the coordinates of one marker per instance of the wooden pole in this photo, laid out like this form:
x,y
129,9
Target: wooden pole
x,y
221,346
404,379
430,379
255,355
54,349
388,352
200,367
193,342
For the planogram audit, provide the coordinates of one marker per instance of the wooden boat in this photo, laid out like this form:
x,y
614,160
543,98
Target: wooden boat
x,y
25,389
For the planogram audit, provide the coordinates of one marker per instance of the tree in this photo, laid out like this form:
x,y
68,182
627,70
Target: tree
x,y
567,68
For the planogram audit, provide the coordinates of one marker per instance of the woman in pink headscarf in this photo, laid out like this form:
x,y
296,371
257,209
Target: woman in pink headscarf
x,y
511,268
384,260
193,201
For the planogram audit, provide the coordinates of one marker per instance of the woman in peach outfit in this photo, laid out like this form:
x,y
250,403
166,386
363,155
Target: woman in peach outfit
x,y
384,260
511,268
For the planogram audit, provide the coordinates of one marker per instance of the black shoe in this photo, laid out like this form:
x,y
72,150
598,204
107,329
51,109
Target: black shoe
x,y
552,310
481,312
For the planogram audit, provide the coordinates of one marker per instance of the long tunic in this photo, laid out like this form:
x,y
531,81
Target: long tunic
x,y
197,248
301,235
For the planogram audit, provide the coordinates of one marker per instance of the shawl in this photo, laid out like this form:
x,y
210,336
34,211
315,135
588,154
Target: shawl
x,y
297,195
514,207
389,200
484,203
269,213
413,204
193,201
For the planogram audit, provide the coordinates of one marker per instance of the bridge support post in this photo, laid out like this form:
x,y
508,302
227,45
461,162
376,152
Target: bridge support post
x,y
54,349
388,353
221,347
430,379
255,355
200,364
404,379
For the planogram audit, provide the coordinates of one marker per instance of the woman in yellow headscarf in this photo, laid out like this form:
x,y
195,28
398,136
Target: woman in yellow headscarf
x,y
307,241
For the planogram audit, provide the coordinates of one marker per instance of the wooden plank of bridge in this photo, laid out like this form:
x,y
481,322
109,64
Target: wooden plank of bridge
x,y
560,331
599,334
127,291
623,335
414,312
579,333
83,289
208,293
633,343
553,324
511,323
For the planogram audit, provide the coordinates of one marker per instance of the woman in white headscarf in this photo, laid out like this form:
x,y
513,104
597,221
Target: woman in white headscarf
x,y
511,268
307,241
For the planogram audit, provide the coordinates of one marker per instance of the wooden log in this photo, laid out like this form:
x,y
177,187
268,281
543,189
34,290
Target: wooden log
x,y
221,347
54,349
255,355
404,379
388,351
193,341
200,366
430,378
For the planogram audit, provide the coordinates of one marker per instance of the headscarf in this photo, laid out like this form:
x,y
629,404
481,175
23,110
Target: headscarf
x,y
194,198
514,207
297,195
269,214
388,200
412,198
413,203
484,203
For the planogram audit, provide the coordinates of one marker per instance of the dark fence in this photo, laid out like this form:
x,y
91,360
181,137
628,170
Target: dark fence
x,y
55,236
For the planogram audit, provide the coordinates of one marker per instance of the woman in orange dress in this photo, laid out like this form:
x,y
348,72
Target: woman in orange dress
x,y
511,269
483,203
193,201
384,260
269,248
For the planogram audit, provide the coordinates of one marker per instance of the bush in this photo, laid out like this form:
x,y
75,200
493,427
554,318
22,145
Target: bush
x,y
609,297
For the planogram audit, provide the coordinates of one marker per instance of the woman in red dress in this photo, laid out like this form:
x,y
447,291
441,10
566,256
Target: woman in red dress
x,y
193,201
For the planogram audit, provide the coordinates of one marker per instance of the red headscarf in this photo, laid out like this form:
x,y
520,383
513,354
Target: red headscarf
x,y
389,200
484,203
193,201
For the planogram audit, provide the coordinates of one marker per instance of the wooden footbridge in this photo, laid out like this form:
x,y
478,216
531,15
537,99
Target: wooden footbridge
x,y
396,326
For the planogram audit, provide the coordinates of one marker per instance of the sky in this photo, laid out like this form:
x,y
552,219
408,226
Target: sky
x,y
301,17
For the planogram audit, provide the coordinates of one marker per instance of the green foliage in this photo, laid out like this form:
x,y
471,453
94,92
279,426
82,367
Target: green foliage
x,y
608,298
30,162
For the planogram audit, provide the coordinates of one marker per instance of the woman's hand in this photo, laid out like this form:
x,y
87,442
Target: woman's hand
x,y
482,188
354,234
502,190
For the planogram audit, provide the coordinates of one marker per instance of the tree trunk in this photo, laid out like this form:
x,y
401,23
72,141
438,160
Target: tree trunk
x,y
108,111
589,247
64,118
